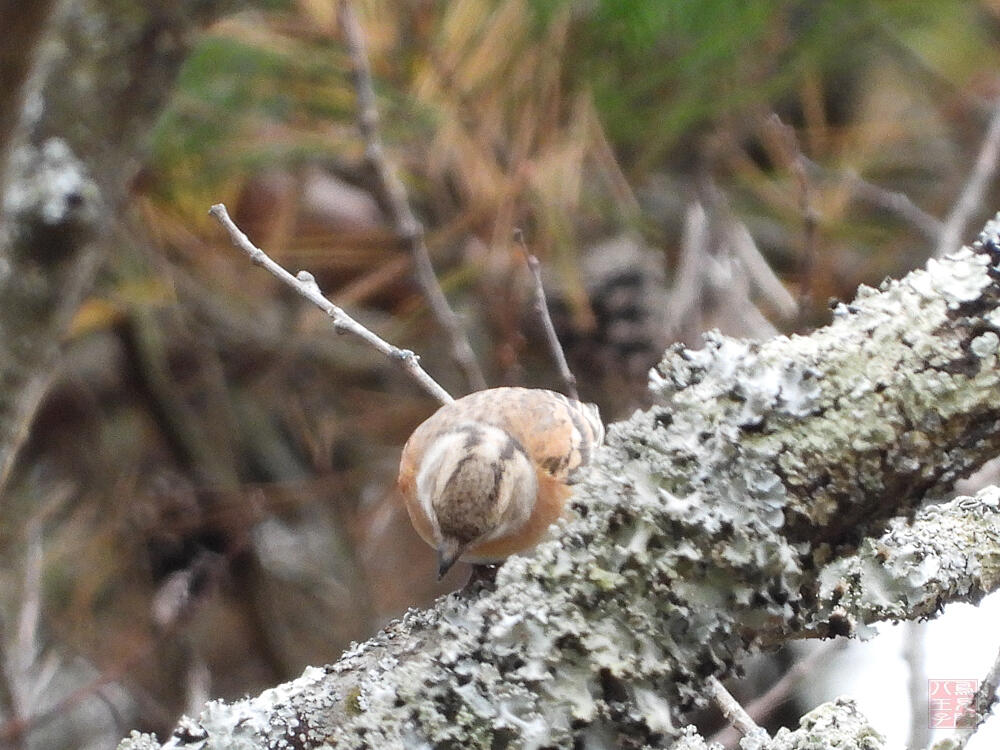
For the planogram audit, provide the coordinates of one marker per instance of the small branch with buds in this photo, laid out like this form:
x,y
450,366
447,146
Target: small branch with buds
x,y
306,286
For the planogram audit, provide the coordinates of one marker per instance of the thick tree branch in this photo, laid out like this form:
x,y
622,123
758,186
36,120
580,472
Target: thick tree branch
x,y
719,521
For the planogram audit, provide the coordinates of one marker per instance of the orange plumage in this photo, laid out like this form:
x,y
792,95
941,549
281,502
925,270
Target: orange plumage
x,y
485,476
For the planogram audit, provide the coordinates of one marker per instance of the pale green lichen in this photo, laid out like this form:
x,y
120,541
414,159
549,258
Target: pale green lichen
x,y
950,550
837,724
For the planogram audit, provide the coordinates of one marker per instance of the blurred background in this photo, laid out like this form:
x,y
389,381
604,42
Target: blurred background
x,y
205,504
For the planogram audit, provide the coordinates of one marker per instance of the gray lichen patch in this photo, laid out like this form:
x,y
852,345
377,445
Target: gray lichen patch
x,y
858,421
837,724
949,551
50,185
707,526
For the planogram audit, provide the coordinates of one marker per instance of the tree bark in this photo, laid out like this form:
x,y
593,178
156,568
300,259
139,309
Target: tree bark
x,y
102,73
23,23
750,506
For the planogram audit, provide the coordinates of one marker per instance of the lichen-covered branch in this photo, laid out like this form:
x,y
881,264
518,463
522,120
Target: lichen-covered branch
x,y
710,525
950,551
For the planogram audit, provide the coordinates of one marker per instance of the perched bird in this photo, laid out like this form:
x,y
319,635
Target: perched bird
x,y
485,476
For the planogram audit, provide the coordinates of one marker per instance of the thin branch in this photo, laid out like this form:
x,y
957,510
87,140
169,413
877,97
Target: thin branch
x,y
731,709
20,655
683,311
406,224
796,163
763,706
26,648
604,154
25,24
542,308
892,201
744,248
23,669
982,703
21,726
306,286
975,189
18,416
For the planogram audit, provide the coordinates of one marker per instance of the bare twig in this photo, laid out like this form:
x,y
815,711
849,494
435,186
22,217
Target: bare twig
x,y
17,421
542,308
763,706
796,163
21,653
743,247
731,708
393,193
306,286
982,703
27,675
879,197
972,194
604,154
683,312
21,726
25,24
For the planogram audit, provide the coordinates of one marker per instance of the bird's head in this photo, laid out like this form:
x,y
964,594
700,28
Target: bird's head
x,y
475,483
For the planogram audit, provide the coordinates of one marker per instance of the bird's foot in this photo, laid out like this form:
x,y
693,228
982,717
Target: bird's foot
x,y
482,578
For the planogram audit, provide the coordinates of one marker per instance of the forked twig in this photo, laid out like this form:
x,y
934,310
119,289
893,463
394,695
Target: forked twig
x,y
306,286
393,194
542,308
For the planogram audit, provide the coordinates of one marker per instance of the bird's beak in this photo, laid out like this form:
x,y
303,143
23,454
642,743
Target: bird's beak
x,y
448,553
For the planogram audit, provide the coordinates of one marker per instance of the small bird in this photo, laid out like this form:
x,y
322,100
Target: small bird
x,y
485,476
